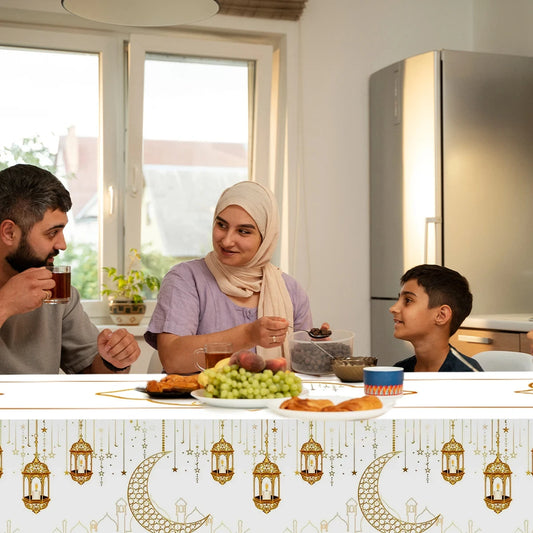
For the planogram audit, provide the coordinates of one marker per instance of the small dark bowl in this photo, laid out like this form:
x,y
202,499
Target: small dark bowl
x,y
351,368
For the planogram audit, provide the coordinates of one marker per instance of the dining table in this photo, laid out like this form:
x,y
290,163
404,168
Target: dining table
x,y
98,453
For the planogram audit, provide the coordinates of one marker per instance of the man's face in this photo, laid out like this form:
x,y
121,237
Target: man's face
x,y
41,244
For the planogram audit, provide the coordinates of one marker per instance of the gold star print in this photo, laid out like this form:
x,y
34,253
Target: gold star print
x,y
274,430
174,469
505,429
405,469
123,472
354,472
44,430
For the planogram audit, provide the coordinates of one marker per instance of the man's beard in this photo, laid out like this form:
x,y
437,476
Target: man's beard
x,y
24,257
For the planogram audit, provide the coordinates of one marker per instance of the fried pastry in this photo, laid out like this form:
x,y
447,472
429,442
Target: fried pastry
x,y
173,382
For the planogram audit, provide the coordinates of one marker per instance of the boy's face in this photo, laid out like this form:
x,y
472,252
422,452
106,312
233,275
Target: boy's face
x,y
413,318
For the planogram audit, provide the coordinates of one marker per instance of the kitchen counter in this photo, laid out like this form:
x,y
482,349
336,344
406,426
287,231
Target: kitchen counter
x,y
511,322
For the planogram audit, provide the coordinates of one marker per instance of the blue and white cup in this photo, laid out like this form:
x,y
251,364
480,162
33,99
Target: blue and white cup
x,y
383,380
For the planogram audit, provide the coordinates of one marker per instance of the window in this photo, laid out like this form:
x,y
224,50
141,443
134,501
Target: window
x,y
195,144
52,121
197,135
144,162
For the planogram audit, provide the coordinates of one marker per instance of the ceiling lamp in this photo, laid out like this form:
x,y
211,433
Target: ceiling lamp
x,y
142,12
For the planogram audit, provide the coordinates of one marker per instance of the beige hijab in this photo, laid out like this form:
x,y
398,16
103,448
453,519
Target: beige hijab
x,y
259,274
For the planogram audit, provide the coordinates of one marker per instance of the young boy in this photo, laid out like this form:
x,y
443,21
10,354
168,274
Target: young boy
x,y
433,302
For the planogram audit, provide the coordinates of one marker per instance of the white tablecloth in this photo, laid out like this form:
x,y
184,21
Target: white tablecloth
x,y
381,474
426,395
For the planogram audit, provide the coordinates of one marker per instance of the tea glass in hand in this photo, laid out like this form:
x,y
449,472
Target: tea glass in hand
x,y
212,353
60,294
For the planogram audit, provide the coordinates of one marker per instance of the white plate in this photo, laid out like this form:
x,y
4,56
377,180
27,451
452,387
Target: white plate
x,y
329,415
229,403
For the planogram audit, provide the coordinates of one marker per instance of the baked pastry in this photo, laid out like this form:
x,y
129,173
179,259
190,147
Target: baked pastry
x,y
354,404
300,404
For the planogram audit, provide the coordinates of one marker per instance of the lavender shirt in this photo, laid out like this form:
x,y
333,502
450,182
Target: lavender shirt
x,y
191,303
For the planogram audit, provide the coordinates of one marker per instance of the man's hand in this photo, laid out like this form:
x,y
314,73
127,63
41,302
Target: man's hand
x,y
119,348
25,292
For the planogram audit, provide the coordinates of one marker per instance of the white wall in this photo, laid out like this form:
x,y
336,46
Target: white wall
x,y
503,27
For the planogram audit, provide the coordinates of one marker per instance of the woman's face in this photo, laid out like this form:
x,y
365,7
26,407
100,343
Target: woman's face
x,y
236,238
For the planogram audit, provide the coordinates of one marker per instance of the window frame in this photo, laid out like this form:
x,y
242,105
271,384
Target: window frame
x,y
141,45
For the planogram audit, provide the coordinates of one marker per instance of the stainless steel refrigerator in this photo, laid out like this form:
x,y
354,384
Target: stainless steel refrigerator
x,y
451,180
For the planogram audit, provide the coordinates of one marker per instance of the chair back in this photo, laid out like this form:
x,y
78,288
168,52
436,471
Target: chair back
x,y
498,361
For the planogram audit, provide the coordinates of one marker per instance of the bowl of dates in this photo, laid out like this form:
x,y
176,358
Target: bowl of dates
x,y
315,356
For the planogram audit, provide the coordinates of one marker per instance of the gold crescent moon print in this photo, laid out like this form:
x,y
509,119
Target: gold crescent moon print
x,y
372,507
142,507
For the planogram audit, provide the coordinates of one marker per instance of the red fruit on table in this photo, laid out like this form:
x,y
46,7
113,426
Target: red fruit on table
x,y
248,360
280,363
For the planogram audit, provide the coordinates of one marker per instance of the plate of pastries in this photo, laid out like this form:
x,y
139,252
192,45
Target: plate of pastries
x,y
332,408
172,386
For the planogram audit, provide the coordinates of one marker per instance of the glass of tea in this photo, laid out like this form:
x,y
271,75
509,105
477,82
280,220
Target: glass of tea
x,y
61,292
212,353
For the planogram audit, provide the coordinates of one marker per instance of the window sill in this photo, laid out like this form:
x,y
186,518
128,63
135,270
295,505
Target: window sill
x,y
99,316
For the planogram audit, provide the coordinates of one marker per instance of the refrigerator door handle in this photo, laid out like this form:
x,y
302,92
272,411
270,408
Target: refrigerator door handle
x,y
435,221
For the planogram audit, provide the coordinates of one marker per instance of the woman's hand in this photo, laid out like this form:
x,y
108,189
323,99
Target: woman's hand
x,y
269,331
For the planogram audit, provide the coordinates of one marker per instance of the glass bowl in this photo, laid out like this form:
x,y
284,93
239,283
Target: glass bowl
x,y
315,357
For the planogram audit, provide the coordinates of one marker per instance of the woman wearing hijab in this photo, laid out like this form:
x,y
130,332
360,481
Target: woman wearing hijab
x,y
235,294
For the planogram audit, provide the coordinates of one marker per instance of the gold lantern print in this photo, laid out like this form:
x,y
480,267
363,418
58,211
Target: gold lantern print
x,y
36,482
498,481
266,482
452,459
222,459
81,460
311,457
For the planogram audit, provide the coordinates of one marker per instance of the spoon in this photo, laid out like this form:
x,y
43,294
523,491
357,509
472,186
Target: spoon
x,y
319,333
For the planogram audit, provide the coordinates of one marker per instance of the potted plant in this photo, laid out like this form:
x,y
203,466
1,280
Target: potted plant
x,y
124,291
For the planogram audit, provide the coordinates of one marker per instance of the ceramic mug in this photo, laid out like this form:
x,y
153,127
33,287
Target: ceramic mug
x,y
383,380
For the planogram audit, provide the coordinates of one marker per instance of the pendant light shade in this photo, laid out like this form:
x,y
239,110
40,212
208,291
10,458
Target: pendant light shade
x,y
142,12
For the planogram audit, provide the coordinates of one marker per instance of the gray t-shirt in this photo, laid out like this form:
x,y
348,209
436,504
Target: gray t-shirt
x,y
48,338
190,302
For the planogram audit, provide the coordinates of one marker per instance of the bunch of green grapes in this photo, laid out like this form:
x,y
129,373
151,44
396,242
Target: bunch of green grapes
x,y
232,381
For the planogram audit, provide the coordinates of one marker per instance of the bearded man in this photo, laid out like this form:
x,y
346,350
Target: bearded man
x,y
37,338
